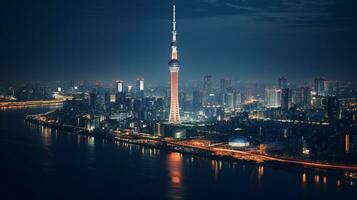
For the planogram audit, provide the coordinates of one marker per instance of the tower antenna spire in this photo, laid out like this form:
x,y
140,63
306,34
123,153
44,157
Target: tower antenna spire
x,y
173,23
174,13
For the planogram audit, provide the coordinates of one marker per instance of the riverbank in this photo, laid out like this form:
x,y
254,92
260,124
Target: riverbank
x,y
64,163
221,154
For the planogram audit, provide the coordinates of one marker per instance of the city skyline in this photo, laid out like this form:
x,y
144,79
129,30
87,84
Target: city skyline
x,y
247,40
222,99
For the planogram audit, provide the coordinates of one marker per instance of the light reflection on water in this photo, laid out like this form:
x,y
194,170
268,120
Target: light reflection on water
x,y
174,167
216,167
176,162
46,136
91,153
149,152
303,179
260,173
53,158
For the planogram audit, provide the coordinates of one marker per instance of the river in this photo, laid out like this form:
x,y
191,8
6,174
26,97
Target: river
x,y
41,163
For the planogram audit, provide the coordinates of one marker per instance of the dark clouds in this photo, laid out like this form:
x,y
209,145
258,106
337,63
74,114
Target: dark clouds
x,y
245,39
293,12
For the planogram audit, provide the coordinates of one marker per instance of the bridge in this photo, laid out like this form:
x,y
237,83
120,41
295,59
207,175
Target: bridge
x,y
22,104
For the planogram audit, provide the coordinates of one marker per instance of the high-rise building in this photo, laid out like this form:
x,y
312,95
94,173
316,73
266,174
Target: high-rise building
x,y
224,84
319,86
119,85
207,84
140,84
230,100
129,88
140,87
174,66
197,100
237,99
285,98
184,104
273,98
283,82
92,100
107,99
331,88
305,98
333,109
207,89
120,99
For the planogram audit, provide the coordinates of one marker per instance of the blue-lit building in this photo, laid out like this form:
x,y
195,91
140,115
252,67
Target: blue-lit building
x,y
238,141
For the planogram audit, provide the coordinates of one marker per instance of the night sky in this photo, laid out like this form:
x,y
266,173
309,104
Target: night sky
x,y
124,39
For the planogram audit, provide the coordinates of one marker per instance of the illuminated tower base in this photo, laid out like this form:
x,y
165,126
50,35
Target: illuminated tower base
x,y
174,106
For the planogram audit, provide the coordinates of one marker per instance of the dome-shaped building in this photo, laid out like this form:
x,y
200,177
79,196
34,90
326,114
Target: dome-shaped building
x,y
238,141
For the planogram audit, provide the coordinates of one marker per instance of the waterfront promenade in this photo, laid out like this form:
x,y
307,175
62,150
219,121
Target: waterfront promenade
x,y
185,146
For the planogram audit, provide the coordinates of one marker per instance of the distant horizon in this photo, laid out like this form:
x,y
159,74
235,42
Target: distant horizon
x,y
182,84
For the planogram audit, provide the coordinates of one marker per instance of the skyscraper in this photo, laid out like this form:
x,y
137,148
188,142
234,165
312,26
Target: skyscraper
x,y
283,83
273,98
225,84
237,99
333,109
92,100
140,87
140,84
305,98
119,85
285,98
107,99
207,89
319,86
197,100
230,100
174,66
207,84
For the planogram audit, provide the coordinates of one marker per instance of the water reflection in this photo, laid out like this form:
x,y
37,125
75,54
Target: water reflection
x,y
78,139
235,179
149,152
260,173
216,166
347,143
303,179
317,179
31,126
46,136
174,167
90,141
91,152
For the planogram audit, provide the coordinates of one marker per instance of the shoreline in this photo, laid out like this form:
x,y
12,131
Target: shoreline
x,y
214,154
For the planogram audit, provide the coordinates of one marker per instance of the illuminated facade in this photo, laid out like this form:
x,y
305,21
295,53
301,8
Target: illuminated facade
x,y
119,85
174,66
273,98
140,87
238,141
140,84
